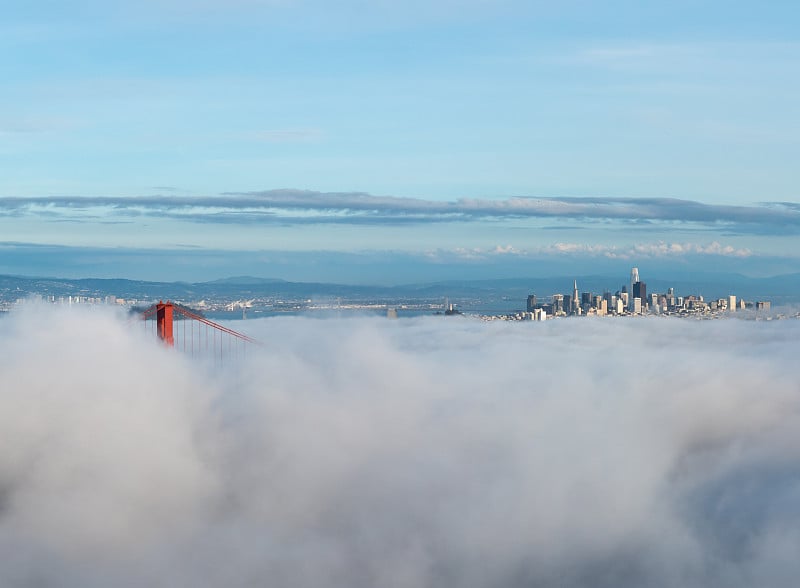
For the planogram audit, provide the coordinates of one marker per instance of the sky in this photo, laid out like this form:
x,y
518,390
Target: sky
x,y
364,452
478,134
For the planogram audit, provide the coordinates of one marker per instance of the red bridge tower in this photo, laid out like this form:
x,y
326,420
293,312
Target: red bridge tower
x,y
164,322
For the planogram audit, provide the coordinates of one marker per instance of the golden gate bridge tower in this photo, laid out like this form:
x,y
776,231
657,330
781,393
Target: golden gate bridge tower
x,y
180,328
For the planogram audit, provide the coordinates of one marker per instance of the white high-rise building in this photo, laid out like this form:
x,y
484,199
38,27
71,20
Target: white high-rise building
x,y
575,302
732,303
634,279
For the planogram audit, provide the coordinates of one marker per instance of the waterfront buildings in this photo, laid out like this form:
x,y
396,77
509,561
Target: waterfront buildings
x,y
636,301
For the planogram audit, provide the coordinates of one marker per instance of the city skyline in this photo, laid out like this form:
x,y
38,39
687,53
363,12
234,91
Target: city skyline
x,y
484,300
632,300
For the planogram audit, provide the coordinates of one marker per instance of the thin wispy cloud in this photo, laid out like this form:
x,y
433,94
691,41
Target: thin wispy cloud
x,y
286,135
648,56
631,55
310,207
35,125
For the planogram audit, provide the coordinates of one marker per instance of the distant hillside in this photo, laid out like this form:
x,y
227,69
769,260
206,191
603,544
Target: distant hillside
x,y
246,281
509,293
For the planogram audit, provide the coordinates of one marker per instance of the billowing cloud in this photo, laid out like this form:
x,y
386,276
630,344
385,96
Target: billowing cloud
x,y
408,453
304,207
658,249
648,250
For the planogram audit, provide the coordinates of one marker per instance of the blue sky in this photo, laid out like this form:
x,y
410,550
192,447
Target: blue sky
x,y
435,132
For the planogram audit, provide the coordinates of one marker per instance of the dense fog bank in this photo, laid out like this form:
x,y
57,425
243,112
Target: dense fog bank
x,y
411,453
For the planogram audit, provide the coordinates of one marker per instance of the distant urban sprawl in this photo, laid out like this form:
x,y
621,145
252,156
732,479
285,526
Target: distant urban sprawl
x,y
252,297
631,299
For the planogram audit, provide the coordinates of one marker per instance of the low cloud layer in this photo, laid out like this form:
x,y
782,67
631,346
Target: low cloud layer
x,y
380,267
411,453
648,250
309,207
657,249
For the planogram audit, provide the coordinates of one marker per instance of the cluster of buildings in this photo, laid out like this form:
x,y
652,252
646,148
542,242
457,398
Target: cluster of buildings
x,y
632,299
70,300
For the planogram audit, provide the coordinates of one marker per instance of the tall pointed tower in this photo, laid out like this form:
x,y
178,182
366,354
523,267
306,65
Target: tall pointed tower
x,y
575,299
